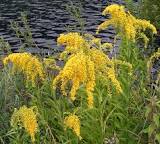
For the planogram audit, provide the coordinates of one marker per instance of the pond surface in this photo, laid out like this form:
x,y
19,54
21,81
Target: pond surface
x,y
49,18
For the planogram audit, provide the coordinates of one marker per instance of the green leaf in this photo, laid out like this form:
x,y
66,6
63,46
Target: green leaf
x,y
158,138
156,119
145,130
151,129
148,110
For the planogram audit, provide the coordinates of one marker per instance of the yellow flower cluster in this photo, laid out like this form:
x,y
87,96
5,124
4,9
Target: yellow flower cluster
x,y
105,67
50,63
27,118
83,65
111,75
100,59
79,69
72,41
27,64
107,45
72,121
126,24
97,42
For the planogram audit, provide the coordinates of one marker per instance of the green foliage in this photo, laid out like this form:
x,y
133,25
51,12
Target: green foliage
x,y
23,33
75,12
5,47
150,10
13,95
146,9
123,117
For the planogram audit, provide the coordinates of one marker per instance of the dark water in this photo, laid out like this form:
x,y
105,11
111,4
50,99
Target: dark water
x,y
48,18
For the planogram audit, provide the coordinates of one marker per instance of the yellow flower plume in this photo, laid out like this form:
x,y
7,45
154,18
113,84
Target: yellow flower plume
x,y
73,41
29,65
80,70
72,121
126,24
84,64
26,117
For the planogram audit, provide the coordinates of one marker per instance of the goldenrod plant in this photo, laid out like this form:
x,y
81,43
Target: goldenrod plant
x,y
126,24
27,64
92,98
73,122
27,118
84,64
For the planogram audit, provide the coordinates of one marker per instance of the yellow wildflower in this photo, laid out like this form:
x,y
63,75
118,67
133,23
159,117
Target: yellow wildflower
x,y
107,45
90,82
113,9
50,63
72,41
27,64
72,121
26,117
96,41
144,24
100,59
76,70
126,24
84,64
90,99
111,75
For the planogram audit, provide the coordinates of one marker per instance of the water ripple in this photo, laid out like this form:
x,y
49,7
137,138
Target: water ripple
x,y
48,19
